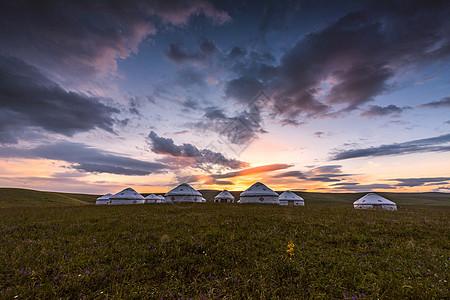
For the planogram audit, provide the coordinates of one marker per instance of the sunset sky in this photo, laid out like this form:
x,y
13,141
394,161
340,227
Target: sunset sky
x,y
328,96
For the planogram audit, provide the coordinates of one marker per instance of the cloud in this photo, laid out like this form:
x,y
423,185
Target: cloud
x,y
443,103
374,111
413,182
356,187
84,158
241,129
203,54
87,38
296,174
433,144
30,100
346,64
189,77
201,157
178,12
329,173
243,89
252,171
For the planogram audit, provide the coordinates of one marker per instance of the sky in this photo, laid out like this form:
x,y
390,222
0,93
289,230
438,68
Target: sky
x,y
319,96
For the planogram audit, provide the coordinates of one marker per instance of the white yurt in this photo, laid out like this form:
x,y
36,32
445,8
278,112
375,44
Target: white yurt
x,y
152,198
103,200
259,193
127,196
161,198
224,196
183,193
291,198
374,201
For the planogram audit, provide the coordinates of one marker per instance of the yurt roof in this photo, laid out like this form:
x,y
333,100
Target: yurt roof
x,y
105,197
127,194
183,189
258,189
161,197
288,195
152,197
372,198
224,195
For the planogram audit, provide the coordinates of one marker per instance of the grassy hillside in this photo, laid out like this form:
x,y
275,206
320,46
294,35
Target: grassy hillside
x,y
208,251
10,197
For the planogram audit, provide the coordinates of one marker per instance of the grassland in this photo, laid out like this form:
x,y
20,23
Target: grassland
x,y
223,251
12,197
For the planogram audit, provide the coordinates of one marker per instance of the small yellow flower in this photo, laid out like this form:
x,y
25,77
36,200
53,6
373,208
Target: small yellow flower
x,y
290,249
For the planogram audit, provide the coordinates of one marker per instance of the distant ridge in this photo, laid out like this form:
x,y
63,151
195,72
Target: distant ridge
x,y
15,197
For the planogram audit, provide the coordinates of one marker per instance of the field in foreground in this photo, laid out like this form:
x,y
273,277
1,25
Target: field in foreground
x,y
223,251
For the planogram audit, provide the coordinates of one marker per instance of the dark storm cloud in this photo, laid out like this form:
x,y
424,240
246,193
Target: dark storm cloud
x,y
203,54
378,111
201,157
413,182
87,37
433,144
28,99
87,159
443,103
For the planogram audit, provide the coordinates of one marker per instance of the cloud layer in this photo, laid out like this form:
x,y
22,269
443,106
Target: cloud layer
x,y
86,38
434,144
200,157
346,64
84,158
30,100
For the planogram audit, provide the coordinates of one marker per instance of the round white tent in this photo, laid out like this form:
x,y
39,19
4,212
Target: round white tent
x,y
103,200
291,198
259,193
152,198
127,196
374,201
161,198
224,196
183,193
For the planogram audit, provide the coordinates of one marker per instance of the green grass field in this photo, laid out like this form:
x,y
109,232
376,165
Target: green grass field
x,y
224,251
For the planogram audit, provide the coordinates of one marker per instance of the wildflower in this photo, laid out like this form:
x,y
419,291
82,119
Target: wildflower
x,y
290,249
